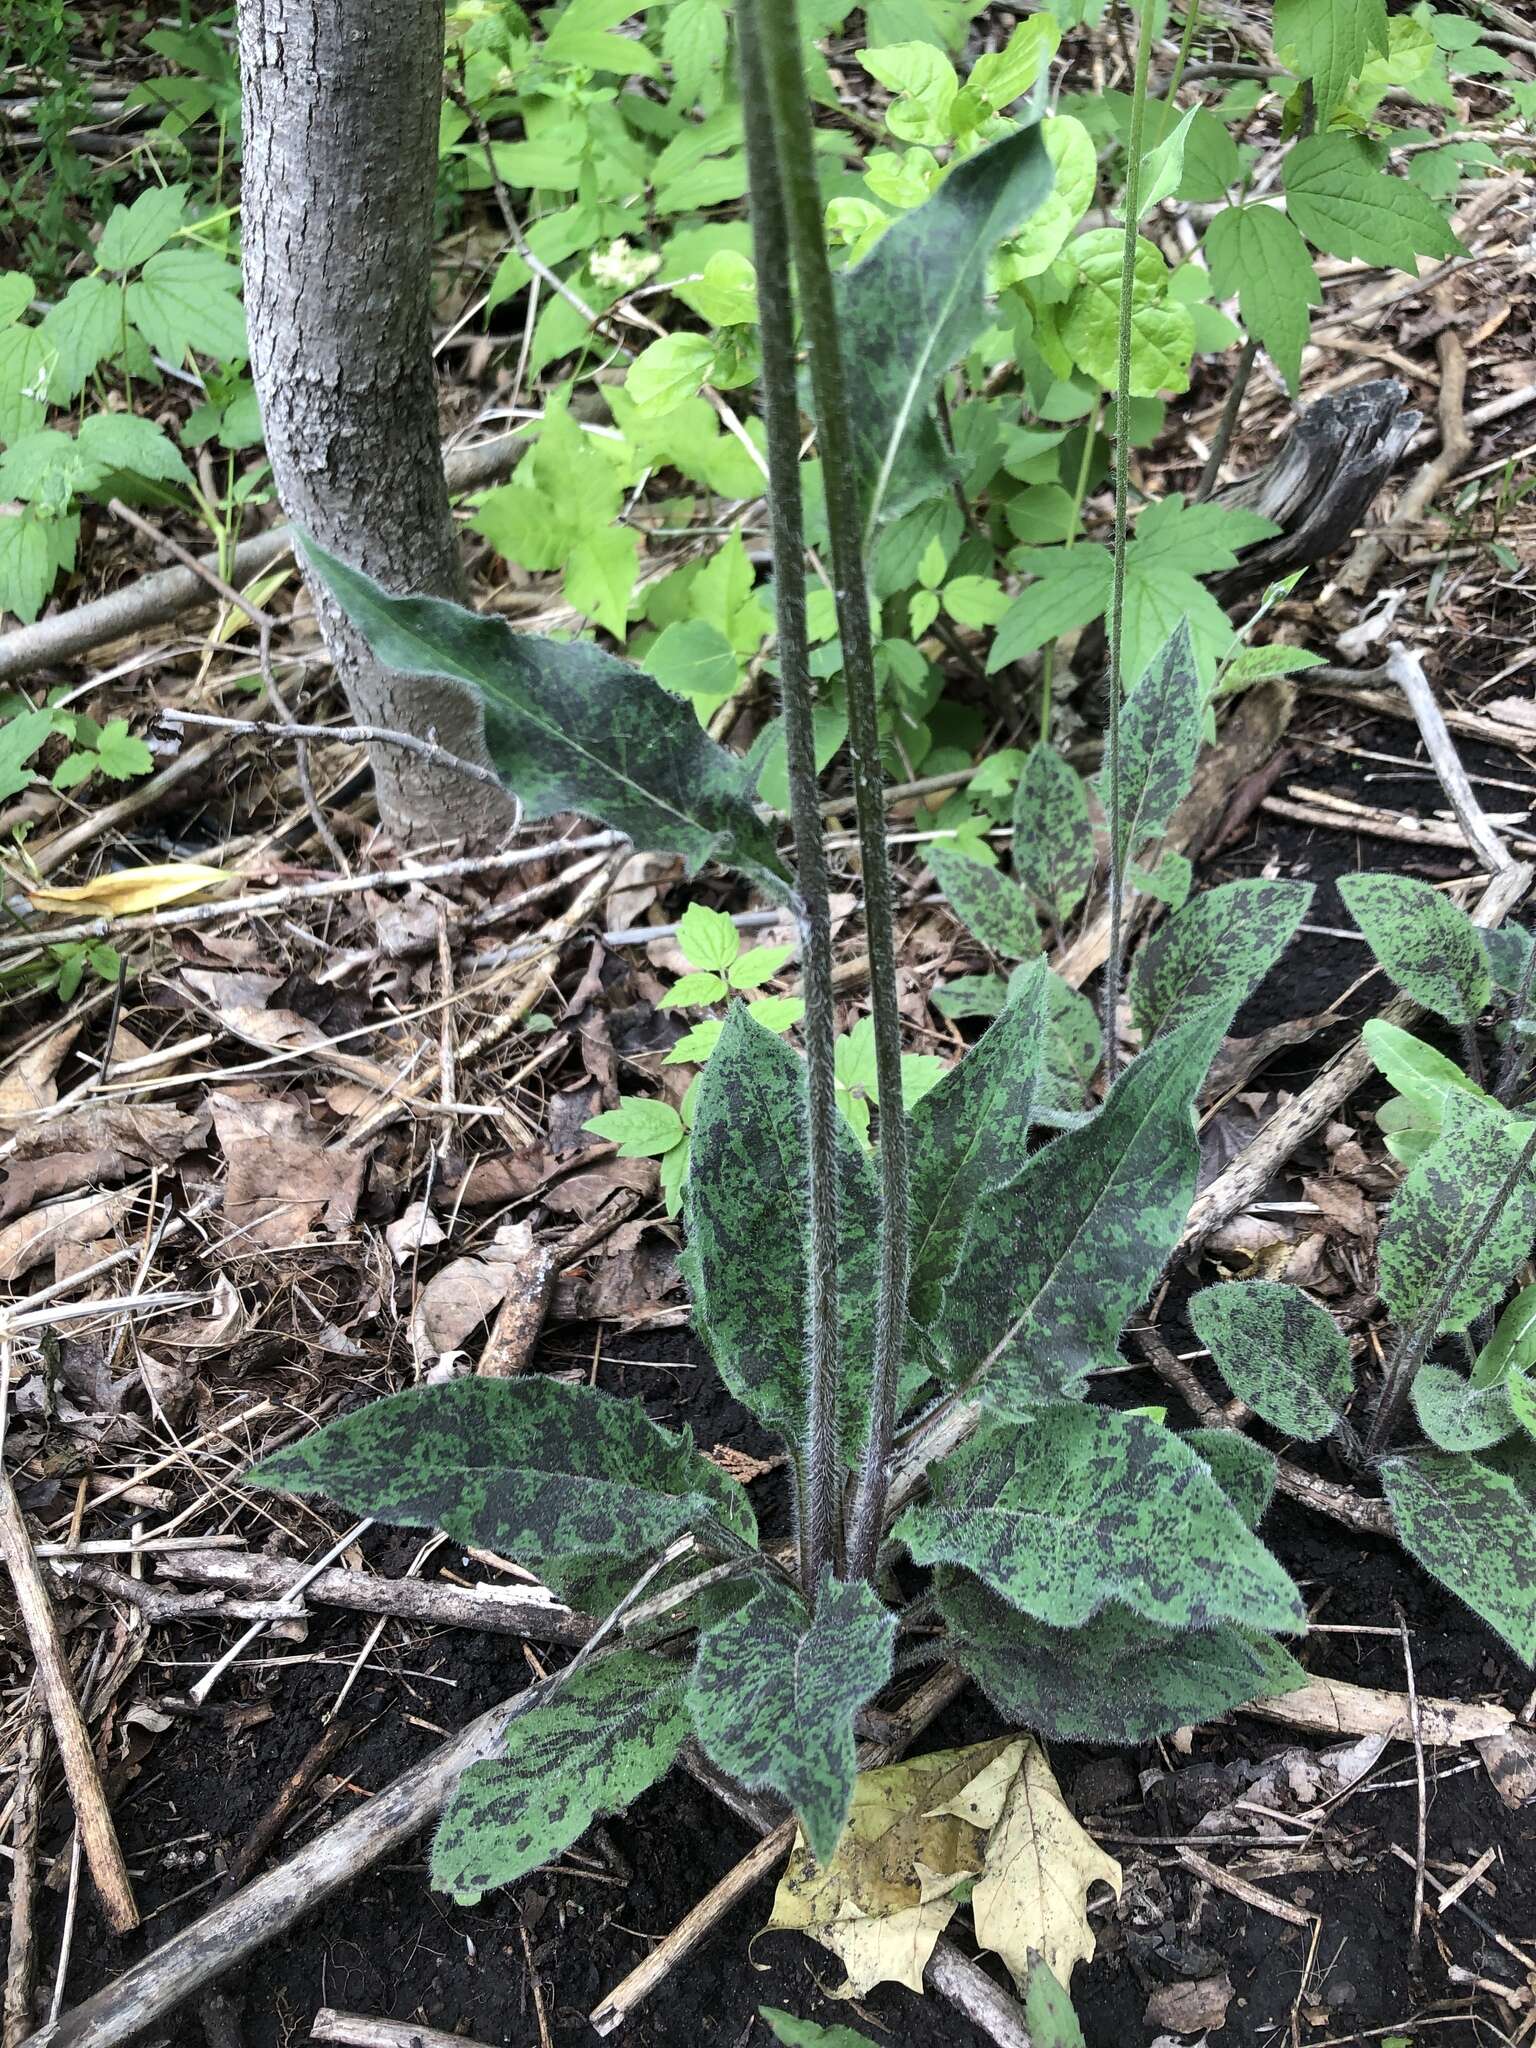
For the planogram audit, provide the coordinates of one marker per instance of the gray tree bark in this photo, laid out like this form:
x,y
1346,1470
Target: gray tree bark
x,y
341,121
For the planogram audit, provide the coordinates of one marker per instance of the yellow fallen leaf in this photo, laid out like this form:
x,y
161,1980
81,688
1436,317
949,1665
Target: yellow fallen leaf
x,y
988,1818
1040,1866
130,889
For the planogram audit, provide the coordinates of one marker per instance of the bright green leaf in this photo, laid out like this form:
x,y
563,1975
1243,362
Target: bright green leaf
x,y
642,1127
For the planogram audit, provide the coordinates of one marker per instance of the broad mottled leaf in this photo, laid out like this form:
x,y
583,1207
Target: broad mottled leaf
x,y
1053,850
1114,1679
1475,1531
1074,1045
1279,1352
1051,1269
746,1259
1160,729
914,304
571,728
968,1138
1456,1415
1443,1202
531,1468
605,1737
1508,948
1081,1506
994,910
1431,949
775,1689
1243,1470
1219,946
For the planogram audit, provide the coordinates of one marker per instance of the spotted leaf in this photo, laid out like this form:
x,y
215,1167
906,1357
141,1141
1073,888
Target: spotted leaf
x,y
746,1260
1160,727
531,1468
1431,949
1219,945
775,1689
1443,1202
1475,1531
1279,1352
1016,1504
605,1737
1053,850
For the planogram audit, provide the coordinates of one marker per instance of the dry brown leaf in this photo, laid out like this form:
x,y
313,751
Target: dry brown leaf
x,y
918,1832
500,1177
583,1193
41,1233
128,890
470,1290
1191,2008
1510,1756
282,1177
30,1085
241,1003
411,1232
107,1141
219,1330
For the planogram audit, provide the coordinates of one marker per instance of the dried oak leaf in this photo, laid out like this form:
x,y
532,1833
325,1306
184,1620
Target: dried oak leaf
x,y
469,1291
103,1142
1191,2008
282,1177
46,1233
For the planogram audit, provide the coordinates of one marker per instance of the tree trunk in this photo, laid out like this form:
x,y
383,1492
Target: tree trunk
x,y
341,123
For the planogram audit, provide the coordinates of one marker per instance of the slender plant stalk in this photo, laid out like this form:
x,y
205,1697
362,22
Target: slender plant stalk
x,y
1227,425
778,30
1191,19
1132,205
1080,492
1416,1340
819,1460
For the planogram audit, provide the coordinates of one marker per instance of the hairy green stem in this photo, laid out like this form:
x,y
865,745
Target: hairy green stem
x,y
778,29
1079,493
1416,1340
1132,204
781,417
1226,426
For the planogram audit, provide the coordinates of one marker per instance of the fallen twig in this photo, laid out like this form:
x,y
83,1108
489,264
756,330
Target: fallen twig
x,y
93,1818
21,1960
355,2030
1330,1706
432,1600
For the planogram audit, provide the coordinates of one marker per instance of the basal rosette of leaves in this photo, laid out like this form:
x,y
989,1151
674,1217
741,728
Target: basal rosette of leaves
x,y
1100,1572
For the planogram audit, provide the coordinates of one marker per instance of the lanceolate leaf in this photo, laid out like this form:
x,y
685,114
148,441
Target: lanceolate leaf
x,y
1052,1267
1219,946
1512,1347
1443,1202
992,909
1053,851
1475,1531
1160,728
531,1468
806,2034
1431,949
1082,1506
746,1257
605,1737
968,1138
1458,1416
774,1692
571,728
1279,1352
1048,2012
915,304
1115,1679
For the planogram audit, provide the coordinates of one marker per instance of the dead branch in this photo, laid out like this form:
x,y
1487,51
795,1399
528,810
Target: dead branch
x,y
97,1834
21,1961
425,1600
356,2030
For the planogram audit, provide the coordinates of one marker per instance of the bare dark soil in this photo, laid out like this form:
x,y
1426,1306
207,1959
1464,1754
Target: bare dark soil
x,y
391,1947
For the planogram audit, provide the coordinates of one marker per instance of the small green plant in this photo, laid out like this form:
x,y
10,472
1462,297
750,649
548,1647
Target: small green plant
x,y
915,1298
110,749
158,289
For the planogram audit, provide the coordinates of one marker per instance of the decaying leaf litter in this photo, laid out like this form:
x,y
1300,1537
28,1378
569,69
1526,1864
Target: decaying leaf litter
x,y
336,1144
